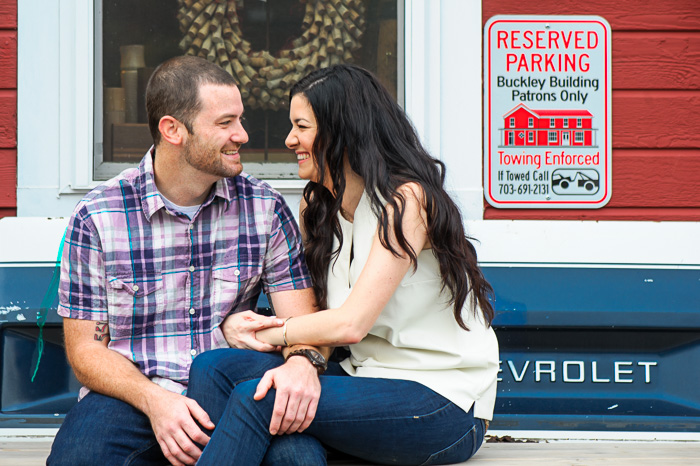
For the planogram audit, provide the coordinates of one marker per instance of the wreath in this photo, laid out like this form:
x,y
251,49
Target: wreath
x,y
331,32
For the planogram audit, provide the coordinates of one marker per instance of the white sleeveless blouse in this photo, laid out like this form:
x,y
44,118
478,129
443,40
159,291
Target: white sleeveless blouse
x,y
416,336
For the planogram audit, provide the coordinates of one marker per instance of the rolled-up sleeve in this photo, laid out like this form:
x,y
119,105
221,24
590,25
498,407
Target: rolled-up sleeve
x,y
82,291
285,267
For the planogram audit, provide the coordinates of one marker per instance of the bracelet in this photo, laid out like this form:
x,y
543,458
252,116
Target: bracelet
x,y
284,331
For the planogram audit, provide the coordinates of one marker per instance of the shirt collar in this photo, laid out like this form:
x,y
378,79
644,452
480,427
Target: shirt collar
x,y
151,199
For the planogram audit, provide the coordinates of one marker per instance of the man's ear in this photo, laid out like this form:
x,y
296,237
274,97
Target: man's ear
x,y
171,130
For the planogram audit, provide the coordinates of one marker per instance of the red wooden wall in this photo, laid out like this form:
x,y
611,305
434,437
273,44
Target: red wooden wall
x,y
8,108
655,107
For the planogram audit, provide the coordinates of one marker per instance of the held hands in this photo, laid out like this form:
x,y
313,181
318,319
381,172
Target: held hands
x,y
173,418
239,330
296,400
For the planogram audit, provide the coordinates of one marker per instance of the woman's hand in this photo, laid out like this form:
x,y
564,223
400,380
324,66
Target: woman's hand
x,y
239,330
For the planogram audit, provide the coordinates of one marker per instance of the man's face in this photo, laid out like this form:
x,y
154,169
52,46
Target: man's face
x,y
217,135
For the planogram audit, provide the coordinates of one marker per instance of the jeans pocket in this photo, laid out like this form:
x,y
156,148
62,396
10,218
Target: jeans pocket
x,y
460,451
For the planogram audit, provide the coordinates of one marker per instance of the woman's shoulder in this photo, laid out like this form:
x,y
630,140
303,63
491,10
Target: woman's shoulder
x,y
412,191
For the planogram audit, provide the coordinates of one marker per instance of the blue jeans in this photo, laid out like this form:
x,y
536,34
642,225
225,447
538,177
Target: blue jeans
x,y
104,430
385,421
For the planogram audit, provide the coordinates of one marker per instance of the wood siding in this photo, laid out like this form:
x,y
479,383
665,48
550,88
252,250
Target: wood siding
x,y
8,108
655,107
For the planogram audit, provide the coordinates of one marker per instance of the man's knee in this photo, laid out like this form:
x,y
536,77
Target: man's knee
x,y
98,427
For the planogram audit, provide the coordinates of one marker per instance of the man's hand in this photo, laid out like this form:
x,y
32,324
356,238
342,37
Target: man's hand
x,y
173,420
298,391
239,330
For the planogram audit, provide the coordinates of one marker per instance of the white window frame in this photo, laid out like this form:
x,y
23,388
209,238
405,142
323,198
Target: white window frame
x,y
565,122
551,123
512,122
552,136
56,84
579,122
64,60
578,136
530,122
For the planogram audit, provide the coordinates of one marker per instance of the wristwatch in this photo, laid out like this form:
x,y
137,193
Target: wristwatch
x,y
316,358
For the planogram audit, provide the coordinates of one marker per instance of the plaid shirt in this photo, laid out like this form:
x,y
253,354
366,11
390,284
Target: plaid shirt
x,y
165,282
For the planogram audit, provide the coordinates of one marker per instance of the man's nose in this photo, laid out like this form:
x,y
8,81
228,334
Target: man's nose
x,y
239,135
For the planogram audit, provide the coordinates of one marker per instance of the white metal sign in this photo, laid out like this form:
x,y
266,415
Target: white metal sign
x,y
547,122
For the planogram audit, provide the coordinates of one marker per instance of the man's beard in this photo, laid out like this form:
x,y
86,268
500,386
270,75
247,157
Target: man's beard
x,y
208,159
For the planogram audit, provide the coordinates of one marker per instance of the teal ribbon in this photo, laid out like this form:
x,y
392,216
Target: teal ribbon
x,y
49,298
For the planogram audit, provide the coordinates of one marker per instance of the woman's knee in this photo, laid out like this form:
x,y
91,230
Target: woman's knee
x,y
232,365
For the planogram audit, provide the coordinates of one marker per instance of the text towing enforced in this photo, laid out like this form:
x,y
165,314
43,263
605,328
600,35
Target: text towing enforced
x,y
549,158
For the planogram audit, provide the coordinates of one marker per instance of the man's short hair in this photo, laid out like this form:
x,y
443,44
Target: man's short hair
x,y
173,90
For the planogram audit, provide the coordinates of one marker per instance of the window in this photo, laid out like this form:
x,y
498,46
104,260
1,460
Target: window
x,y
530,136
566,122
578,137
579,123
552,136
512,123
551,123
530,122
266,45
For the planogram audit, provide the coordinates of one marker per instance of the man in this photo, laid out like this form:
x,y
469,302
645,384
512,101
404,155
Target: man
x,y
154,262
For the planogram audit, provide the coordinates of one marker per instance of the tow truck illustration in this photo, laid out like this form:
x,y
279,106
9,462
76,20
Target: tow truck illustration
x,y
575,181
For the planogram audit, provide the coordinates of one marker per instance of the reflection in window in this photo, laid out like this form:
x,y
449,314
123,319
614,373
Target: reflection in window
x,y
266,45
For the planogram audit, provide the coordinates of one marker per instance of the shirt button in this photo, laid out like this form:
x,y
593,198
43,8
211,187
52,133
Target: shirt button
x,y
136,287
236,272
192,311
191,268
193,352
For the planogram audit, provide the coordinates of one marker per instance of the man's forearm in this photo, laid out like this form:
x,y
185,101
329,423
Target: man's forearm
x,y
103,370
326,351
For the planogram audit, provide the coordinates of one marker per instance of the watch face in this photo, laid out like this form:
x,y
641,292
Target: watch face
x,y
316,356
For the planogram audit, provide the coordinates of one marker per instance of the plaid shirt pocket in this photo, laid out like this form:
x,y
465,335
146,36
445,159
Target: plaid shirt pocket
x,y
136,307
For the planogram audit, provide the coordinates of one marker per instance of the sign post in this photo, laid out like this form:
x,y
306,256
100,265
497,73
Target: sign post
x,y
547,122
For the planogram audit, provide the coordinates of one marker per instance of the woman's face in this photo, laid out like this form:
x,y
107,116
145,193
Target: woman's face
x,y
302,136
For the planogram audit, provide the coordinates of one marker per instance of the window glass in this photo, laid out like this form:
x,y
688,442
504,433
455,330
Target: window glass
x,y
552,136
512,122
266,45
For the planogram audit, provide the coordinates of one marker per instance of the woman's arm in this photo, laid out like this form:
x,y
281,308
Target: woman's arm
x,y
378,280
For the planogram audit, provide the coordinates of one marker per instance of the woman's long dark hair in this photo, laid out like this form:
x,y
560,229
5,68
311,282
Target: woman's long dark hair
x,y
356,116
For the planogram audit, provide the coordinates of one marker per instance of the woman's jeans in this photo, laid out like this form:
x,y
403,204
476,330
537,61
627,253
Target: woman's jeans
x,y
386,421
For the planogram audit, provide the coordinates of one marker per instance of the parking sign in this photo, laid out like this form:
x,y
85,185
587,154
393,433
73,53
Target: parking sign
x,y
547,91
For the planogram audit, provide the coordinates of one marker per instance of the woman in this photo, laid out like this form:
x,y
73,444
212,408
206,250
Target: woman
x,y
390,261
